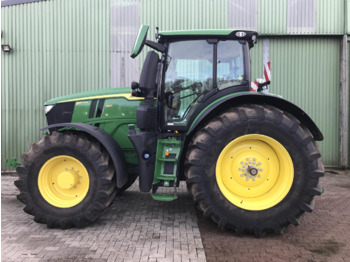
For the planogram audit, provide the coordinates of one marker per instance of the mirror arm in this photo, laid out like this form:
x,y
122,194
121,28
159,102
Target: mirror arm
x,y
155,46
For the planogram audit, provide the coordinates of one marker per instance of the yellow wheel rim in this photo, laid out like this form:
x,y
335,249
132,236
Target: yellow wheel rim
x,y
254,172
63,181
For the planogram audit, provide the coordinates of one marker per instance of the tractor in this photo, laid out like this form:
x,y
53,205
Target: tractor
x,y
249,159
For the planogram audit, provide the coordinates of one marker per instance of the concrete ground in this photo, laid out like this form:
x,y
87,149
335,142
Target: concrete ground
x,y
136,228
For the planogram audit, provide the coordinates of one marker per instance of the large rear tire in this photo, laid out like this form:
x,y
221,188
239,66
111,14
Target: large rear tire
x,y
254,169
66,180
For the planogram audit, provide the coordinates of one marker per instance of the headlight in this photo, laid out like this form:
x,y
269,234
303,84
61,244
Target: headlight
x,y
48,108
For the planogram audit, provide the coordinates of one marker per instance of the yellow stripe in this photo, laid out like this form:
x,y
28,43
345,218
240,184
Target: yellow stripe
x,y
127,96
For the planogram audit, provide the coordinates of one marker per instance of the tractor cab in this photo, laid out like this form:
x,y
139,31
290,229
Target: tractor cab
x,y
191,69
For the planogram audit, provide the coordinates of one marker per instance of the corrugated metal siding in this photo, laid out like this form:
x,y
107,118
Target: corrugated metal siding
x,y
243,14
272,17
125,23
306,72
63,46
59,47
347,17
256,58
184,14
330,17
301,16
348,75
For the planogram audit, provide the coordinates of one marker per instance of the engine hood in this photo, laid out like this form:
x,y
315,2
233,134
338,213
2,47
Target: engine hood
x,y
95,94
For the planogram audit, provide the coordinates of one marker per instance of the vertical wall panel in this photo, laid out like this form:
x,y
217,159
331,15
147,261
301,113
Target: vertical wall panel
x,y
59,47
272,17
306,72
301,16
184,14
243,14
330,17
125,23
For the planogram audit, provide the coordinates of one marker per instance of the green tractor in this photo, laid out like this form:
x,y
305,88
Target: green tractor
x,y
249,159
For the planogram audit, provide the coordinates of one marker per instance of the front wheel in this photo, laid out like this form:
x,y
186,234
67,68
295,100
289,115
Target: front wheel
x,y
66,180
254,169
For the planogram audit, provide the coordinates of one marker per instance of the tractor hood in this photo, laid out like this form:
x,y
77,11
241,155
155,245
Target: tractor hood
x,y
95,94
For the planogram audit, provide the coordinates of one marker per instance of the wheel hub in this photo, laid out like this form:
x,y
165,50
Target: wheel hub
x,y
252,170
63,181
67,179
249,169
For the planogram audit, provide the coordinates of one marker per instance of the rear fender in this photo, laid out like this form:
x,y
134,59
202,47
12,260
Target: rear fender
x,y
109,144
238,99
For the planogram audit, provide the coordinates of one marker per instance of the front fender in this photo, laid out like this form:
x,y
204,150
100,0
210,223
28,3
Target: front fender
x,y
109,144
237,99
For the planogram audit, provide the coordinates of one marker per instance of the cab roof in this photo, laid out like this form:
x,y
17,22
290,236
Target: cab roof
x,y
235,34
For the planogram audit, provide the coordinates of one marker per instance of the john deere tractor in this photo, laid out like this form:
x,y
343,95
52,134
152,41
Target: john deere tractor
x,y
249,159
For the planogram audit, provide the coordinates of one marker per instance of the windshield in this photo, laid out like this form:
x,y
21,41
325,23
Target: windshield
x,y
189,75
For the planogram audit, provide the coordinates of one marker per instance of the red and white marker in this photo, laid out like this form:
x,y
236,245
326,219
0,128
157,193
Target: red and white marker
x,y
254,87
267,77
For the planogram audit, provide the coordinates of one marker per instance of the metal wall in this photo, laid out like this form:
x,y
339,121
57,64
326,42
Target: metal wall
x,y
66,46
124,26
306,71
269,17
59,47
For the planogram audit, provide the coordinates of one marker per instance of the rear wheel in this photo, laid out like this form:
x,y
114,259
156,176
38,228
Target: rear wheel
x,y
254,169
66,180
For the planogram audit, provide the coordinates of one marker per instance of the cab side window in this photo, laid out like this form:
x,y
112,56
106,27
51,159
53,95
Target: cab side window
x,y
230,66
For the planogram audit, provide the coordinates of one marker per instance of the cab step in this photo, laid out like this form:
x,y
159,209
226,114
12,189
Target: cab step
x,y
168,152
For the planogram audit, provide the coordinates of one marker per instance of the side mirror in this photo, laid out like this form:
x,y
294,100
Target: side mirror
x,y
169,100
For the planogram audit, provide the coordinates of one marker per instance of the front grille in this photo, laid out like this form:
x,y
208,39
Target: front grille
x,y
60,113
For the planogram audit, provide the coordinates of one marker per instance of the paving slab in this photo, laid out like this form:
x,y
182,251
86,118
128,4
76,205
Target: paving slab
x,y
134,228
323,235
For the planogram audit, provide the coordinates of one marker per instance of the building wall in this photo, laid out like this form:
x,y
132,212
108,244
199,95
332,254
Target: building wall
x,y
59,47
67,46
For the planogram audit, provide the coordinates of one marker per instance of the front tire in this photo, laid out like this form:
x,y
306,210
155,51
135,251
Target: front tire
x,y
254,169
66,180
